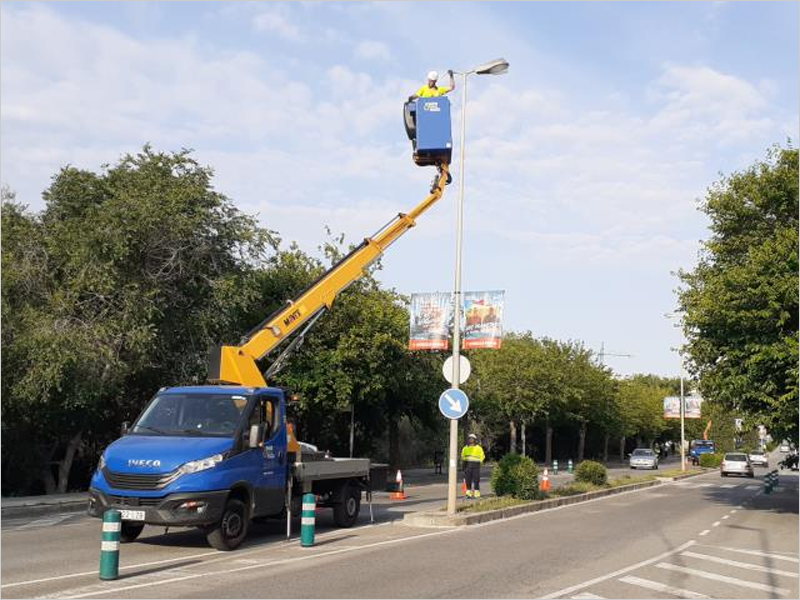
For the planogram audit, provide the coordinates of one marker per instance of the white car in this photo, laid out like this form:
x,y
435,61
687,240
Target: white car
x,y
736,463
758,458
785,448
644,458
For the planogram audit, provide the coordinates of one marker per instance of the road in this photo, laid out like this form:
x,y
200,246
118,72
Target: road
x,y
701,537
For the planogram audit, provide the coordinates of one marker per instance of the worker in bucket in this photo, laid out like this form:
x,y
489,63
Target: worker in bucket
x,y
472,457
430,89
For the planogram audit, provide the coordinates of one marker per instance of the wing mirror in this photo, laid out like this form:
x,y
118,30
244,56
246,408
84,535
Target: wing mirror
x,y
256,436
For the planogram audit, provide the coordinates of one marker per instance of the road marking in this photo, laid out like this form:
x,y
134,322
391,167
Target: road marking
x,y
116,590
587,596
715,524
728,486
752,487
758,553
705,532
740,565
723,578
660,587
726,517
644,563
733,511
705,485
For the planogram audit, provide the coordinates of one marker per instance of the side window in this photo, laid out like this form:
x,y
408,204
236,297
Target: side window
x,y
257,416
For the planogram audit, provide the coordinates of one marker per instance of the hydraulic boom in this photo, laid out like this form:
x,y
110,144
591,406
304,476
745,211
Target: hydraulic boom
x,y
237,364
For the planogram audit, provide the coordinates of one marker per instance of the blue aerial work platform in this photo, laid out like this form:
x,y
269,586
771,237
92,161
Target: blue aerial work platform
x,y
427,122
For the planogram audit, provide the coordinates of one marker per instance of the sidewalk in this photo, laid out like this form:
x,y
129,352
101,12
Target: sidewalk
x,y
39,505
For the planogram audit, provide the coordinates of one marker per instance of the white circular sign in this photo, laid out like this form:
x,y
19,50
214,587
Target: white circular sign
x,y
464,369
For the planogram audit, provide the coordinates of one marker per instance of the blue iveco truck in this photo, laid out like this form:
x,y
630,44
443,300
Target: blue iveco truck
x,y
217,456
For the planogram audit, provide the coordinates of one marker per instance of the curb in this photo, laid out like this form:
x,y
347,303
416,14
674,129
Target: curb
x,y
32,510
442,519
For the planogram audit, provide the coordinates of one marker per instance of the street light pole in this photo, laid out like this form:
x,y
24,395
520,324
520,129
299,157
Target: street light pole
x,y
494,67
683,402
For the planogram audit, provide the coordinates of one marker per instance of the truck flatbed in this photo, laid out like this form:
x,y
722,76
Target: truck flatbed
x,y
331,468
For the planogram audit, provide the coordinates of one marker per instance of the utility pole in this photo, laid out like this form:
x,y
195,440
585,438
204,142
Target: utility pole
x,y
602,356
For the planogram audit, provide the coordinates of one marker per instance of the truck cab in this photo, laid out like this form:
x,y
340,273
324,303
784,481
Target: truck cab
x,y
699,447
190,460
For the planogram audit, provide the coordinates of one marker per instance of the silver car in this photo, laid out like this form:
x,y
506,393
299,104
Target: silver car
x,y
736,463
644,458
759,459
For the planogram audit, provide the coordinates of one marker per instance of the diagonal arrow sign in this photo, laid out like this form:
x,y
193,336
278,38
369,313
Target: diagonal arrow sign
x,y
455,404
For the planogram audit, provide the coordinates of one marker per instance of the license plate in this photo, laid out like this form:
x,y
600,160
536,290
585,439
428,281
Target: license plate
x,y
132,515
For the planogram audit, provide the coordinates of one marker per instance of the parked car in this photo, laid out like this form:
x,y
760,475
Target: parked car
x,y
736,463
644,458
785,448
758,458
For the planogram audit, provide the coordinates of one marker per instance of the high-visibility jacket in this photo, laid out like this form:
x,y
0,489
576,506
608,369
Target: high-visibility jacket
x,y
472,454
430,92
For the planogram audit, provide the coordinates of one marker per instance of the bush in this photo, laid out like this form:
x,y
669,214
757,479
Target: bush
x,y
590,471
574,488
710,460
516,476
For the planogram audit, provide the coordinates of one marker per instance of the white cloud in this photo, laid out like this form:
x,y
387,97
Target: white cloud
x,y
372,50
272,21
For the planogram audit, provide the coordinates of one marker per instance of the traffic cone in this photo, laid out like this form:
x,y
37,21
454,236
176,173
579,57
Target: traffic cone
x,y
464,487
398,494
545,484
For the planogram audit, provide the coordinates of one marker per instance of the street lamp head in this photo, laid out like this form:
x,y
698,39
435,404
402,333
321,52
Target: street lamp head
x,y
497,66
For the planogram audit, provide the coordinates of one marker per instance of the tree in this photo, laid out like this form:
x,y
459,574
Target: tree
x,y
741,301
640,409
120,286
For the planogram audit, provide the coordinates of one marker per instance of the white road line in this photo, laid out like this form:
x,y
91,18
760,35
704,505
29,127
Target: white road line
x,y
575,588
715,524
752,487
728,486
705,532
726,517
758,553
741,565
733,511
587,596
660,587
705,485
116,590
723,578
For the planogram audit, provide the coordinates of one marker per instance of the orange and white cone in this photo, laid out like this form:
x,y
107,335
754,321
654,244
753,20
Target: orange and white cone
x,y
399,493
545,484
464,487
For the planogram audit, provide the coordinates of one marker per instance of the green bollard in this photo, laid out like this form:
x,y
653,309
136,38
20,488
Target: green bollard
x,y
569,466
307,520
555,467
109,545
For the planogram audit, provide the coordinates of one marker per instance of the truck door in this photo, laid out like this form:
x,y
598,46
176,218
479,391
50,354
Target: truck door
x,y
270,484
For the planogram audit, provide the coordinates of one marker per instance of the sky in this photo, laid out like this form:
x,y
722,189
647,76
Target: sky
x,y
584,164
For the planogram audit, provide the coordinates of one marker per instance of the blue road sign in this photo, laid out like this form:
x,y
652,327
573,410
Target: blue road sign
x,y
453,403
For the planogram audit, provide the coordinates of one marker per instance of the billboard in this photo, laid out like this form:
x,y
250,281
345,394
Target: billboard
x,y
430,315
483,319
672,407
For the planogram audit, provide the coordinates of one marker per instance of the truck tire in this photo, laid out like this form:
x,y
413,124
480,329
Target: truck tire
x,y
130,531
345,513
232,527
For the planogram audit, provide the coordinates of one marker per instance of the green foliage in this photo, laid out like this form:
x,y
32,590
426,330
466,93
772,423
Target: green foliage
x,y
711,460
741,301
516,476
490,504
590,471
640,407
575,488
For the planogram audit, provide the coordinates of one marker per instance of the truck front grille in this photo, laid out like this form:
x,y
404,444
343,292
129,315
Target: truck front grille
x,y
133,501
126,481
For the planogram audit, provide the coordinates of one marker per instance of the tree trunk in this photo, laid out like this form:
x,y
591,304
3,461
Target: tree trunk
x,y
606,439
48,480
581,441
65,464
523,438
513,445
548,443
622,448
394,445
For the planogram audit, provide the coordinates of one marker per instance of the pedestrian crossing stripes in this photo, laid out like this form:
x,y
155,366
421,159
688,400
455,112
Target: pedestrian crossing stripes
x,y
723,578
740,565
662,587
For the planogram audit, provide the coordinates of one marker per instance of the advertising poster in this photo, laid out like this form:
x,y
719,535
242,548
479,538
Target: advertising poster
x,y
672,407
430,319
483,319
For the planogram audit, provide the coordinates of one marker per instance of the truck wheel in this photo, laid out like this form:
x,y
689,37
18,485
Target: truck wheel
x,y
232,528
130,531
345,513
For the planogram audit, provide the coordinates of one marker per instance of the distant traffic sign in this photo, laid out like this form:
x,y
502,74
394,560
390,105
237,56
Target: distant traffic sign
x,y
453,403
464,369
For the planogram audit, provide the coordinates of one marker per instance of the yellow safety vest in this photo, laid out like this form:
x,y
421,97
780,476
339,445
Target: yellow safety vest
x,y
472,454
428,92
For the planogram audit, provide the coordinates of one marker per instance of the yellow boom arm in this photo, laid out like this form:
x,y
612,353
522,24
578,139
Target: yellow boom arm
x,y
237,364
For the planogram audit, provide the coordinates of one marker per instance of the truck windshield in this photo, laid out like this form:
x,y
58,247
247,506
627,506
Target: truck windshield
x,y
194,414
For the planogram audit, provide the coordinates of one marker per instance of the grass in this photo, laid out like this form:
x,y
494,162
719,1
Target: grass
x,y
492,503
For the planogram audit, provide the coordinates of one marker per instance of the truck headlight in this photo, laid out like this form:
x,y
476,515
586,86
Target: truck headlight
x,y
101,463
201,465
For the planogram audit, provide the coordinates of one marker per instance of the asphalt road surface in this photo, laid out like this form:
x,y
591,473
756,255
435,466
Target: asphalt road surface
x,y
702,537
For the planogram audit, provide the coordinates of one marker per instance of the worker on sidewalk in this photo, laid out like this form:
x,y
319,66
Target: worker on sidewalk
x,y
430,89
472,457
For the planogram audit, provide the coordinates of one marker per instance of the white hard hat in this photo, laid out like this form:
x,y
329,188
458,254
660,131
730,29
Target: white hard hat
x,y
472,436
433,76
